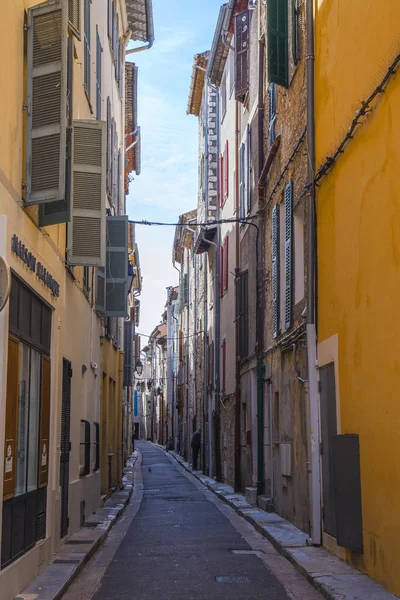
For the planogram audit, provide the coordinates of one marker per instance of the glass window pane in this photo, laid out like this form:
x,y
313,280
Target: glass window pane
x,y
34,422
23,415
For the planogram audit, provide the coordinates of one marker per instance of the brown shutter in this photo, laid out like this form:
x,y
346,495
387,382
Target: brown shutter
x,y
10,446
226,171
242,55
226,260
44,449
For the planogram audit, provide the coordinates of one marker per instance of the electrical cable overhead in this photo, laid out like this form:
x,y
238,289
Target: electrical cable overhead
x,y
191,223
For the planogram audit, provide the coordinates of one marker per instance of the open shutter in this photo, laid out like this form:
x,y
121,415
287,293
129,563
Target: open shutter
x,y
288,254
242,46
117,266
295,25
221,271
241,182
275,271
271,112
101,290
221,181
44,453
109,153
128,353
10,442
47,104
248,169
226,170
278,53
74,16
226,261
86,232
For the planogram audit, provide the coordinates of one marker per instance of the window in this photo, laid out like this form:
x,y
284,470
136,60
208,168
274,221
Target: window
x,y
247,184
226,264
231,59
186,289
242,314
86,45
96,447
223,350
242,181
288,202
278,61
295,30
242,48
221,180
298,227
226,171
271,113
99,50
221,271
275,271
86,281
223,96
84,456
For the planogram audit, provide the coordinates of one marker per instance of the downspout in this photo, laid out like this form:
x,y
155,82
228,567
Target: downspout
x,y
217,322
238,477
315,507
260,313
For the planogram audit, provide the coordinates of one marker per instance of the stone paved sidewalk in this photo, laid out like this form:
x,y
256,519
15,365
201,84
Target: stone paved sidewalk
x,y
79,547
333,578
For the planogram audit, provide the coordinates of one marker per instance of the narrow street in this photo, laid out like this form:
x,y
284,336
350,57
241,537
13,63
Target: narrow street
x,y
184,543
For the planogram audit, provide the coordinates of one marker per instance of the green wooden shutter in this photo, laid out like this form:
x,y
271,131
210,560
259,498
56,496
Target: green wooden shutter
x,y
86,232
288,254
275,271
47,103
242,47
117,266
278,53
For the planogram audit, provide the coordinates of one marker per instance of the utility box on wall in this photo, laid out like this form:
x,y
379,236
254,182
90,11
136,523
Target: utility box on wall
x,y
286,459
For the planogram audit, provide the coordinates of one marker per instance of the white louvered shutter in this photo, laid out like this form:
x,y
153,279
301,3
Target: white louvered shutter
x,y
86,232
47,103
288,254
74,16
117,266
275,271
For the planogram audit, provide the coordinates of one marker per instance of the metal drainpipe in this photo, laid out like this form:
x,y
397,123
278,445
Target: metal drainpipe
x,y
217,322
315,507
237,270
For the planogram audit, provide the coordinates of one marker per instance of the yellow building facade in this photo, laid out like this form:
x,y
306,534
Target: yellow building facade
x,y
61,363
358,225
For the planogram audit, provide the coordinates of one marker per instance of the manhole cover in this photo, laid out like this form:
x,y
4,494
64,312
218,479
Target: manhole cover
x,y
233,579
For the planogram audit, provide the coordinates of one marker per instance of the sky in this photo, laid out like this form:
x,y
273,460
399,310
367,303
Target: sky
x,y
167,185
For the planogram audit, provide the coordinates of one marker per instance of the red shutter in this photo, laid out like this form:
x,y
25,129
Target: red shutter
x,y
221,271
223,367
221,181
226,265
226,171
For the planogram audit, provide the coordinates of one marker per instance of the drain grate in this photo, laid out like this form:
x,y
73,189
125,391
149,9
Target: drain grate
x,y
233,579
62,561
76,542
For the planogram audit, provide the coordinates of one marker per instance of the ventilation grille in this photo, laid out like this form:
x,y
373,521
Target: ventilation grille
x,y
47,35
74,14
86,237
87,190
45,162
46,100
50,208
87,146
116,265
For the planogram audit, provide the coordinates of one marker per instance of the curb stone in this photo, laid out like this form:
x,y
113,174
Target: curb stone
x,y
76,551
333,578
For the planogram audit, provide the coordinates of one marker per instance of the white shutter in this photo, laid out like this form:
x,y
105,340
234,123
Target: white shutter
x,y
275,271
86,231
117,267
47,103
288,254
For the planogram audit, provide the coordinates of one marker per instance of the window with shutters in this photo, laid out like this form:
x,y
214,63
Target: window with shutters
x,y
186,289
275,244
86,281
278,42
242,314
226,170
242,54
242,181
226,264
109,147
101,290
288,205
221,180
87,48
221,271
84,449
231,60
271,113
247,185
96,447
223,96
99,51
86,231
74,16
295,31
46,99
117,267
223,361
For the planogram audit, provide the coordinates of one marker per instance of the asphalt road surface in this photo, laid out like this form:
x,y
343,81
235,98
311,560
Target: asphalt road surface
x,y
182,543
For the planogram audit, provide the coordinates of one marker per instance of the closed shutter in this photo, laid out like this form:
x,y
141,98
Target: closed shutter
x,y
226,170
10,444
109,153
86,232
288,254
241,181
117,266
248,169
101,290
295,25
74,16
221,181
47,104
242,46
128,353
186,289
271,112
278,59
275,271
221,271
226,261
44,448
180,346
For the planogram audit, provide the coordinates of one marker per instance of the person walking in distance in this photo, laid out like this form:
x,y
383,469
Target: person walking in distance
x,y
196,442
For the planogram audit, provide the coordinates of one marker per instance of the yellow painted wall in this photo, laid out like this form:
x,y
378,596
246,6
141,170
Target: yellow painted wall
x,y
358,212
